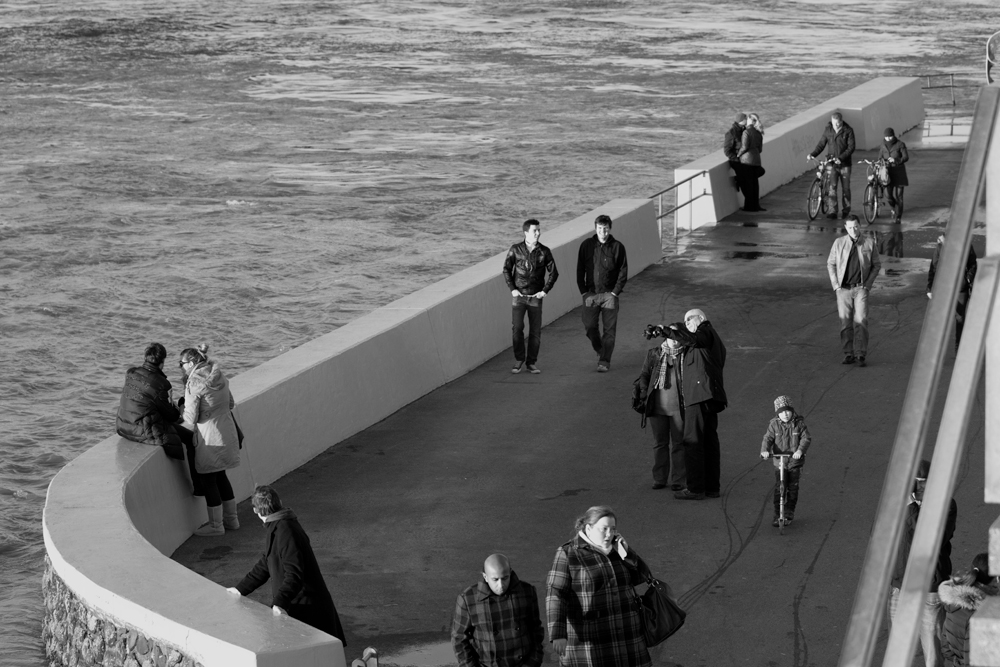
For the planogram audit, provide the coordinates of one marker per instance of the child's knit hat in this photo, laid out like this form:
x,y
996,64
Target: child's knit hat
x,y
783,403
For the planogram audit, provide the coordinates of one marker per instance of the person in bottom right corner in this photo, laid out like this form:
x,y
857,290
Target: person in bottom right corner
x,y
960,597
786,434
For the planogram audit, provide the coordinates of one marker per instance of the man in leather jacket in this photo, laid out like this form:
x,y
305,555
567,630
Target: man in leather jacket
x,y
524,269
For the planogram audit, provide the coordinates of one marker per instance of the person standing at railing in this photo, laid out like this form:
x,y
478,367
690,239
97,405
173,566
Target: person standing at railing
x,y
731,144
964,289
838,139
933,614
524,269
893,151
496,621
853,265
751,146
601,273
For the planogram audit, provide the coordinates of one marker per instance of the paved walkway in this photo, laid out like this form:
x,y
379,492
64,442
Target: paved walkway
x,y
402,515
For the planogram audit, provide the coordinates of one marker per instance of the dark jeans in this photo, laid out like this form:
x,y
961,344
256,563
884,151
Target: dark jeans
x,y
533,307
701,448
217,488
668,449
791,489
751,187
603,306
842,175
852,307
197,479
894,193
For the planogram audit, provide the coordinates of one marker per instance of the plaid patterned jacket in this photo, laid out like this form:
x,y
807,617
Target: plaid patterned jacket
x,y
590,601
491,630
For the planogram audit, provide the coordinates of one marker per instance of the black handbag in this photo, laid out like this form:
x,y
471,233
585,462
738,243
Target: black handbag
x,y
661,616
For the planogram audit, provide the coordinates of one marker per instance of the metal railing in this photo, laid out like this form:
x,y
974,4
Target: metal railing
x,y
914,421
951,82
659,200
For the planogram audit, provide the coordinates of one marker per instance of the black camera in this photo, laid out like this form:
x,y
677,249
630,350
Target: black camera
x,y
652,331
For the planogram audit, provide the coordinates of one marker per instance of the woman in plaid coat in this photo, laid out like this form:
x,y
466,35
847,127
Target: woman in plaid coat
x,y
591,605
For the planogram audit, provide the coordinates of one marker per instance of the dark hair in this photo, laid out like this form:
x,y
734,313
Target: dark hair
x,y
197,355
155,353
265,500
528,223
593,515
852,218
603,220
837,115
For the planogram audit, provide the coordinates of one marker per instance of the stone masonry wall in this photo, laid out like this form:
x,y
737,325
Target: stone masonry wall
x,y
75,635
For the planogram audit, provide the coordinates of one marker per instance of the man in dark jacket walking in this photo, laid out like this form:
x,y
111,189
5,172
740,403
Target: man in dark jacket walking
x,y
496,622
731,145
838,139
524,270
601,272
297,586
933,616
704,398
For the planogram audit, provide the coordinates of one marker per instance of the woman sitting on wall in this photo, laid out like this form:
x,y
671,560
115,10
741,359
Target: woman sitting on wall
x,y
146,413
208,409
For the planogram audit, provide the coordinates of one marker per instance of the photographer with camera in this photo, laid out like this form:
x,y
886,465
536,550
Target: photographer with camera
x,y
661,402
704,397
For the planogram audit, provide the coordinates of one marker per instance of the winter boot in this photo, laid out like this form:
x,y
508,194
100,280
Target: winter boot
x,y
214,526
230,519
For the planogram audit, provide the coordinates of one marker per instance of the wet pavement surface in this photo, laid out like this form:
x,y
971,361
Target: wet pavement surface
x,y
402,515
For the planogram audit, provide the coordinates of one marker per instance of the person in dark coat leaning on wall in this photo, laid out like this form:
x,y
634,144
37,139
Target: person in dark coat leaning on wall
x,y
496,622
704,398
297,587
731,144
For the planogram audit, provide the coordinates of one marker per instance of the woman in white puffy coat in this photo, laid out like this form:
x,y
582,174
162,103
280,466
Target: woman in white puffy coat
x,y
208,413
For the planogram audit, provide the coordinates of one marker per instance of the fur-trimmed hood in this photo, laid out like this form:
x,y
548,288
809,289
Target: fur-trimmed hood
x,y
205,377
955,594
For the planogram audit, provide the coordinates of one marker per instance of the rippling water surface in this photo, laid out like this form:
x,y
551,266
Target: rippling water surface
x,y
255,173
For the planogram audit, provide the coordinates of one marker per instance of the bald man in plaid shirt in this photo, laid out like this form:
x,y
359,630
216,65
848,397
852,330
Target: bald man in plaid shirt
x,y
496,621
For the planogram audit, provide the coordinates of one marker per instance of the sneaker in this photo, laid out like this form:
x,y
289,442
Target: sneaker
x,y
711,494
861,361
685,494
659,485
775,522
846,212
603,368
534,369
517,367
788,517
848,359
832,216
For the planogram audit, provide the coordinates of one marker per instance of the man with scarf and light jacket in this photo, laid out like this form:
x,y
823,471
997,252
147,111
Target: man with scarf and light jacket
x,y
601,272
660,393
524,270
853,265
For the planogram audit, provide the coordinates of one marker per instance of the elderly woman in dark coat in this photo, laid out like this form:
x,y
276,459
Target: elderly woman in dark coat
x,y
590,600
146,413
894,152
297,586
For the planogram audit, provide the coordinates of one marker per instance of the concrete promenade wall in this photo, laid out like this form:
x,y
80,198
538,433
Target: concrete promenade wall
x,y
895,102
114,514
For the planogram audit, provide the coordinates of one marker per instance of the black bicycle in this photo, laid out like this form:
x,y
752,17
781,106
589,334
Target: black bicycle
x,y
820,187
877,189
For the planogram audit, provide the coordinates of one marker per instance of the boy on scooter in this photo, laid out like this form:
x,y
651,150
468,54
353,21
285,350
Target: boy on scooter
x,y
786,434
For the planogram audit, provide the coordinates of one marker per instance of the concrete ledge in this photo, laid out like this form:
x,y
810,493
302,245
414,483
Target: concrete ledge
x,y
114,515
984,633
895,102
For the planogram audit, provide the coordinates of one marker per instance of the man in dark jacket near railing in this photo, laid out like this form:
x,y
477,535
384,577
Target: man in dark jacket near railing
x,y
524,270
731,145
838,139
601,272
933,614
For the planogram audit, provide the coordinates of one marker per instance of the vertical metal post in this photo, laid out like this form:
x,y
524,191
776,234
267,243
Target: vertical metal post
x,y
952,89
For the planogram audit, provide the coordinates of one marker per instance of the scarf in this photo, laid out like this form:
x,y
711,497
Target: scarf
x,y
583,536
667,356
279,515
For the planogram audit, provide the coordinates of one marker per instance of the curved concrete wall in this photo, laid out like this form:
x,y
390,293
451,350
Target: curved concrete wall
x,y
895,102
114,515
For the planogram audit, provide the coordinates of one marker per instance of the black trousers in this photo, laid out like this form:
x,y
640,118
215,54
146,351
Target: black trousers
x,y
791,489
521,306
751,187
701,448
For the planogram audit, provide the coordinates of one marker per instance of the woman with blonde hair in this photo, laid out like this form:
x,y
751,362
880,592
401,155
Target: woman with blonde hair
x,y
961,596
591,605
208,406
749,154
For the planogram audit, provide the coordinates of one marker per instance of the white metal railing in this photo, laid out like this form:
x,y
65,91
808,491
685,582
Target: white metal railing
x,y
660,214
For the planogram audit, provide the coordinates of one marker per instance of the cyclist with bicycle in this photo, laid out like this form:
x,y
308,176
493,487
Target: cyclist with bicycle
x,y
838,139
893,151
786,434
